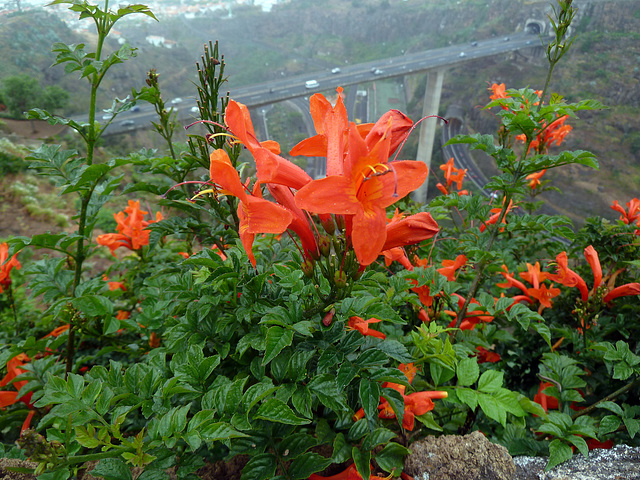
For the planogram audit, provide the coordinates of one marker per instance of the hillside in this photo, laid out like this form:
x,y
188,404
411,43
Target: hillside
x,y
604,63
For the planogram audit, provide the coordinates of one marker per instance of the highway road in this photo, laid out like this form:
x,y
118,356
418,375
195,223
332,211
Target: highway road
x,y
327,80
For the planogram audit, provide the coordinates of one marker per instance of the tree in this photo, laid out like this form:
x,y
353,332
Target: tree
x,y
20,93
23,92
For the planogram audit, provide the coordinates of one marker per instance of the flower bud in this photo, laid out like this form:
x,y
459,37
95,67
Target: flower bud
x,y
307,267
328,318
340,279
324,244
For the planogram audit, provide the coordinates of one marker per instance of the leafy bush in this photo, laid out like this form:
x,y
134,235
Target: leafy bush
x,y
258,312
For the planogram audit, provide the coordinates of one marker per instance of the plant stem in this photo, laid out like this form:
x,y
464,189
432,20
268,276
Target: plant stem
x,y
13,308
608,398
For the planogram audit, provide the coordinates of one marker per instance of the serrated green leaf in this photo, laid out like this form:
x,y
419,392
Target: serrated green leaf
x,y
277,339
608,424
468,397
492,409
611,406
260,467
369,394
467,371
112,469
391,457
306,464
490,381
559,452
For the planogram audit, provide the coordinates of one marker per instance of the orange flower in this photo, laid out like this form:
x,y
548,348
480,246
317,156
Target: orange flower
x,y
410,371
256,214
452,175
496,214
57,331
631,214
132,229
238,120
498,91
417,403
410,230
449,267
358,323
547,402
368,187
9,398
472,318
123,315
486,356
534,179
569,278
154,340
6,266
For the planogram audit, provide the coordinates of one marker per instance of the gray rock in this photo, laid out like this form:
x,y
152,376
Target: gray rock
x,y
451,457
619,463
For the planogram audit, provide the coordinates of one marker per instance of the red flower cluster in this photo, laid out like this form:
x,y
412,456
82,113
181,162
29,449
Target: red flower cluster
x,y
6,266
132,232
631,215
452,176
361,182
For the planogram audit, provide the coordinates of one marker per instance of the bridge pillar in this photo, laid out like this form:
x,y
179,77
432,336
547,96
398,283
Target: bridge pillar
x,y
430,106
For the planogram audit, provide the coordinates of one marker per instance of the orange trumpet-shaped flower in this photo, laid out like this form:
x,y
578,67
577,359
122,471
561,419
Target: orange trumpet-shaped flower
x,y
417,403
331,125
9,398
350,473
362,325
534,179
452,175
131,227
496,214
239,122
449,267
631,214
486,356
410,230
547,402
6,266
256,214
569,278
368,187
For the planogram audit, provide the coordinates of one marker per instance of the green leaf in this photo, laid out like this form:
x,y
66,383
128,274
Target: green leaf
x,y
490,381
395,350
277,339
325,388
492,408
306,464
85,436
362,461
296,444
611,406
261,467
468,396
341,449
93,305
379,436
112,469
218,431
346,373
632,425
559,452
468,371
62,474
579,443
369,394
608,424
391,457
275,410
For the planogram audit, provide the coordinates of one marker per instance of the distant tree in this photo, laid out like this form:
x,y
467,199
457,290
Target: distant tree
x,y
54,98
20,93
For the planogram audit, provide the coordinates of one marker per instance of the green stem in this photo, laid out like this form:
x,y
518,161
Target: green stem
x,y
98,456
608,398
13,308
